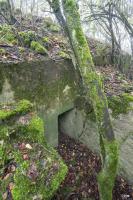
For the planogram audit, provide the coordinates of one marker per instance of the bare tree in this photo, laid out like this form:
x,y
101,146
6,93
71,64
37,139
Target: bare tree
x,y
7,11
111,15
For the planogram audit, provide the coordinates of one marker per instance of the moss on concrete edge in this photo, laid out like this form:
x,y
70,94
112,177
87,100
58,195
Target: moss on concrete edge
x,y
22,107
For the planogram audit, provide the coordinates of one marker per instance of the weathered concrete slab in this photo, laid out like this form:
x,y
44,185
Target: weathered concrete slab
x,y
49,85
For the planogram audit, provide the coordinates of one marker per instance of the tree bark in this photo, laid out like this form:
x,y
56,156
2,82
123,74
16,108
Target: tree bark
x,y
131,40
94,92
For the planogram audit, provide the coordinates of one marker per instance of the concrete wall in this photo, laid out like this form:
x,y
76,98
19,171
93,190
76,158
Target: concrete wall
x,y
50,86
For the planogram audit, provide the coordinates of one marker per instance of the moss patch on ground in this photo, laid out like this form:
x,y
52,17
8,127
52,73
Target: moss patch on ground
x,y
29,168
27,37
7,35
38,47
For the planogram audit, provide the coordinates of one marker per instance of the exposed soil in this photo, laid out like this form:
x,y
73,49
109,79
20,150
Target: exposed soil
x,y
81,182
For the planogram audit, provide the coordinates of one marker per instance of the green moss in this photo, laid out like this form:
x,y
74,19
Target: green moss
x,y
38,47
2,155
7,35
56,181
43,171
106,177
21,49
4,133
36,130
63,54
22,183
22,107
27,37
45,39
2,51
48,21
120,104
54,28
27,189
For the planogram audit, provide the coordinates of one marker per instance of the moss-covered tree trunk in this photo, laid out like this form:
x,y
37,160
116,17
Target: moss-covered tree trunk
x,y
95,93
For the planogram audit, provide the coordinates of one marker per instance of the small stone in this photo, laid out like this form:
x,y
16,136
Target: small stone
x,y
28,146
13,168
25,157
37,197
22,146
73,154
11,186
4,196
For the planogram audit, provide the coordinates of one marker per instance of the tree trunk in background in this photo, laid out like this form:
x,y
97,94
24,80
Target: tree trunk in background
x,y
131,40
94,92
111,32
11,10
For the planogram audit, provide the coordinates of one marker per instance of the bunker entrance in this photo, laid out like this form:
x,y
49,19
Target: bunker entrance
x,y
67,123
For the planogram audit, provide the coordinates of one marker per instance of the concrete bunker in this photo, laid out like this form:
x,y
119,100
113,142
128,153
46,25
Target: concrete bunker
x,y
51,87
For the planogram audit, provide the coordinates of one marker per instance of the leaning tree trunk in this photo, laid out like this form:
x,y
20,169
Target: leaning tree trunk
x,y
95,93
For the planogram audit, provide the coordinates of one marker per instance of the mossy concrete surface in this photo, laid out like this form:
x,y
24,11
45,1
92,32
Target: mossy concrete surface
x,y
29,168
121,109
49,85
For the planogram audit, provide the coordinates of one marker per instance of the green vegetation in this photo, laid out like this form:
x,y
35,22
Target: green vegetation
x,y
45,39
21,49
54,28
48,21
2,51
7,35
50,25
43,188
23,107
120,104
36,127
106,177
27,37
38,47
64,55
39,170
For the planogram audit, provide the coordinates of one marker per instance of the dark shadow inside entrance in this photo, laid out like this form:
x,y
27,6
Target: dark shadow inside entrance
x,y
62,118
